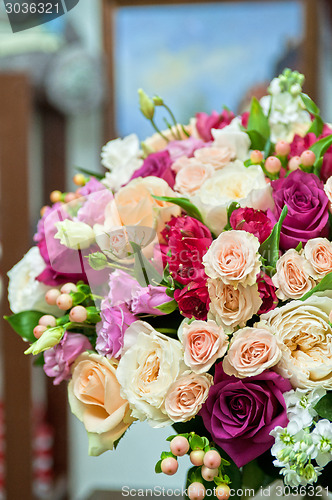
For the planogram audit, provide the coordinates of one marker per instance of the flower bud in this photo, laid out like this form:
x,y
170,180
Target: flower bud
x,y
49,338
74,235
146,104
157,100
98,261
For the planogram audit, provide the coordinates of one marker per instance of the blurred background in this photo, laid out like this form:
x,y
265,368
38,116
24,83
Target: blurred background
x,y
66,88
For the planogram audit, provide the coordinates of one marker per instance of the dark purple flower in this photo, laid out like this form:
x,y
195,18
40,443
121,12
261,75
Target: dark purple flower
x,y
241,413
159,165
193,300
307,203
253,221
205,123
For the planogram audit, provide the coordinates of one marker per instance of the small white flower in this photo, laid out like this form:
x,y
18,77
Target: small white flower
x,y
322,437
74,235
300,404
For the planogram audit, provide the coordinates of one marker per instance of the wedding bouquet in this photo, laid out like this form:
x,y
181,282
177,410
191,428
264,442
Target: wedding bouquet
x,y
191,286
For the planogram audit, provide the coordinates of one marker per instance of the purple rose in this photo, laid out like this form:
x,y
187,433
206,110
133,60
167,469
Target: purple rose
x,y
307,203
241,413
185,147
111,329
147,299
59,358
159,165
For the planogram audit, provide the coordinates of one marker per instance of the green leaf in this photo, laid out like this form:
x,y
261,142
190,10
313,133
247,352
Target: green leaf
x,y
299,247
247,163
145,273
268,148
257,140
93,315
90,173
324,406
157,468
317,126
320,147
168,307
317,166
253,476
197,443
24,322
269,249
258,126
184,203
309,104
233,206
325,284
166,454
78,297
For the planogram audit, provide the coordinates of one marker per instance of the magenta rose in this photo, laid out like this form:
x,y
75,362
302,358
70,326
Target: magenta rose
x,y
159,165
193,300
241,413
111,329
188,241
186,147
58,359
267,292
205,123
307,203
253,221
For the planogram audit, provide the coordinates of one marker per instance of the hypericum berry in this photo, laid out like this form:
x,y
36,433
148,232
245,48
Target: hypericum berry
x,y
43,210
79,180
79,314
209,474
169,466
197,457
256,156
39,330
64,302
52,295
294,163
308,158
283,148
273,164
55,196
179,446
196,491
68,287
48,321
212,459
223,492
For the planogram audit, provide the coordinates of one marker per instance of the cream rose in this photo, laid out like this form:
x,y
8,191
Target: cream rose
x,y
235,182
233,257
318,252
217,157
94,398
233,138
203,343
232,307
150,363
187,395
252,351
293,276
192,176
303,327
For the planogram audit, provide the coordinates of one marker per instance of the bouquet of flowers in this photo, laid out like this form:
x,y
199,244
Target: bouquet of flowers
x,y
191,286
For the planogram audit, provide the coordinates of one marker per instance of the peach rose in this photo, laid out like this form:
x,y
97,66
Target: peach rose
x,y
232,307
94,398
252,351
318,252
233,257
156,142
203,343
192,176
293,276
217,157
186,395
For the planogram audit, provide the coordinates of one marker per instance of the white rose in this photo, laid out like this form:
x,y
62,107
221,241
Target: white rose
x,y
74,235
303,327
232,138
235,182
122,157
150,363
24,291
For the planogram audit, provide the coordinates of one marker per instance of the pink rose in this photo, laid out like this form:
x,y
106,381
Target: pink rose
x,y
205,123
267,292
233,257
192,176
186,147
193,300
203,343
251,352
216,157
293,276
253,221
319,254
186,395
232,307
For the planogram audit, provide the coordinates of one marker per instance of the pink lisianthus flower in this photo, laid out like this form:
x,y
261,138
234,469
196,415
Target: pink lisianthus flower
x,y
58,359
186,148
253,221
146,300
205,123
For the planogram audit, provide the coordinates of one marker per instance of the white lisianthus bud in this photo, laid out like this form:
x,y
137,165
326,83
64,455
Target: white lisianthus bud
x,y
49,338
74,235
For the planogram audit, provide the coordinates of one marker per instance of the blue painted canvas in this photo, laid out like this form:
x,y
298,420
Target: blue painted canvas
x,y
198,57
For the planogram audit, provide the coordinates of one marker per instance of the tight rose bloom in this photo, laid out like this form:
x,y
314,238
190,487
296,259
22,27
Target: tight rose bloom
x,y
150,363
94,398
192,176
233,257
205,123
267,292
158,165
203,343
240,414
253,221
232,307
293,276
251,352
303,327
216,157
193,300
186,396
319,254
308,215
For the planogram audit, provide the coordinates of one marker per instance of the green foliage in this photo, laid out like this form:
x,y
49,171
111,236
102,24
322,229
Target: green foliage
x,y
258,126
318,124
198,443
184,203
24,322
230,209
325,284
324,406
319,148
269,249
168,307
90,173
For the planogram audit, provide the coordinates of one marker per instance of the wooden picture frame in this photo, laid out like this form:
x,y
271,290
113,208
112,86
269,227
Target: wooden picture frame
x,y
109,8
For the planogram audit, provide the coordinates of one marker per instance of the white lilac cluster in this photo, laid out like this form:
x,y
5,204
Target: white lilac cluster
x,y
304,440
